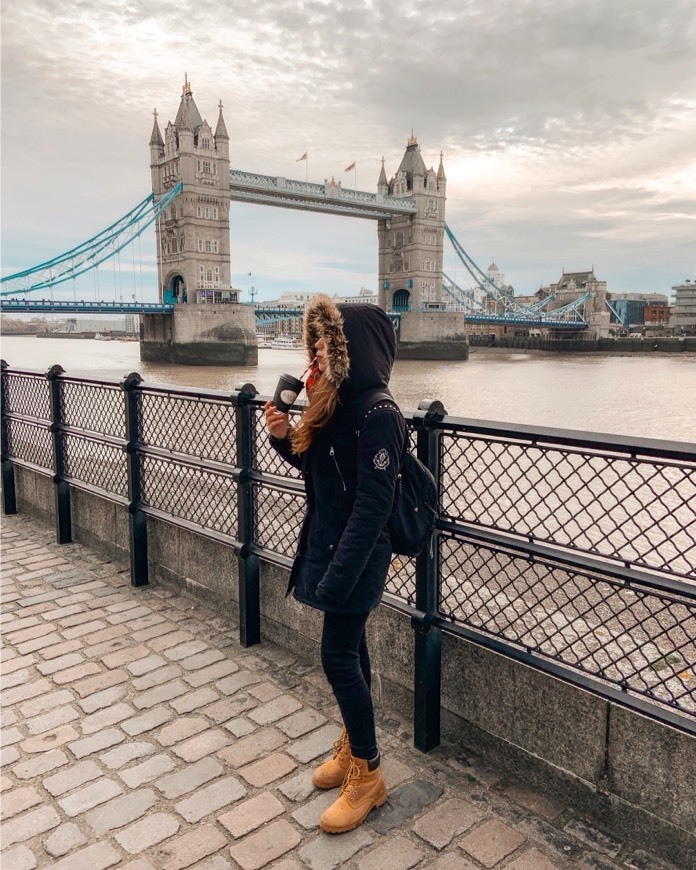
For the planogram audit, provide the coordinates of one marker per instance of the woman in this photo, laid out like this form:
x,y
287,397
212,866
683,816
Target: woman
x,y
348,445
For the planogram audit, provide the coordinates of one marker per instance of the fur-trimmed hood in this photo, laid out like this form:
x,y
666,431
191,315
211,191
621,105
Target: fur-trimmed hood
x,y
360,342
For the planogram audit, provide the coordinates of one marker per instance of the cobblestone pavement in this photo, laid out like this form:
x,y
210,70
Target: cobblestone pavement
x,y
137,733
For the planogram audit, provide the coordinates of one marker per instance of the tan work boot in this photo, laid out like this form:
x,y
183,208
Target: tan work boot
x,y
331,773
362,790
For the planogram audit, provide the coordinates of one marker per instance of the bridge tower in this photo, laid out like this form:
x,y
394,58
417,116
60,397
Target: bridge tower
x,y
193,235
410,246
193,248
410,262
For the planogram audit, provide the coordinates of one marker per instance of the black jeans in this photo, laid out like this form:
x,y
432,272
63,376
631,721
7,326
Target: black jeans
x,y
346,663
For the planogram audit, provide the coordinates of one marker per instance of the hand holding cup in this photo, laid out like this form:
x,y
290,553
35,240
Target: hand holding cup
x,y
286,393
277,422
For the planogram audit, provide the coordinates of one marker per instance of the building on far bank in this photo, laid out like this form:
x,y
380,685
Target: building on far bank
x,y
683,320
639,312
364,297
569,287
294,299
128,324
657,315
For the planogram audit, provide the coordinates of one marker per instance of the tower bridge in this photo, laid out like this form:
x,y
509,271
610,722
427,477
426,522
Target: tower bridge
x,y
192,188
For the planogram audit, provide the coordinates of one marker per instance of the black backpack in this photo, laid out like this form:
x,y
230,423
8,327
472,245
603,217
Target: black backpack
x,y
416,504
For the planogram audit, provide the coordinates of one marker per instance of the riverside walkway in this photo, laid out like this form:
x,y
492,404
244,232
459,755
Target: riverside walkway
x,y
137,733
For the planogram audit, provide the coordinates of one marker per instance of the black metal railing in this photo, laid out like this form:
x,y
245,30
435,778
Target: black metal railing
x,y
572,552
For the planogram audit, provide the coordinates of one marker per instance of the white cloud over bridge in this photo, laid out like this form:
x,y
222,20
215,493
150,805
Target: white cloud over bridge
x,y
567,126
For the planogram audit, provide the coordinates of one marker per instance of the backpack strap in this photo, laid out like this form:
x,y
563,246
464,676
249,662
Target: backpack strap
x,y
375,400
371,401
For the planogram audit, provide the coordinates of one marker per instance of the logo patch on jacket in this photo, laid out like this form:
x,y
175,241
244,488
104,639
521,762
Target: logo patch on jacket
x,y
381,459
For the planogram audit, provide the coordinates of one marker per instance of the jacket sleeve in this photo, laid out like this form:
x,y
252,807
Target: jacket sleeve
x,y
379,448
282,447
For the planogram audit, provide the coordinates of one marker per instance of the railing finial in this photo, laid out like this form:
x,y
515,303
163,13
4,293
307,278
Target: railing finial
x,y
131,380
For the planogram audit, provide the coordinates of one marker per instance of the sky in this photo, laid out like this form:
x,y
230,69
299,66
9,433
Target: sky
x,y
568,129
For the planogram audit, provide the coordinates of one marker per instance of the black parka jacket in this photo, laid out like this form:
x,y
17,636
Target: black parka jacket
x,y
351,467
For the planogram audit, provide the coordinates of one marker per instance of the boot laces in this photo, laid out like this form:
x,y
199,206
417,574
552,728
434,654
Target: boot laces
x,y
350,783
340,743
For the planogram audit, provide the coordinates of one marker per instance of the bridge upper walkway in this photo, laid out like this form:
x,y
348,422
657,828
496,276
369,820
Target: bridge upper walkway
x,y
330,198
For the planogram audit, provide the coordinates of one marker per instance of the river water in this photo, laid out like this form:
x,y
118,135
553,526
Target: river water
x,y
652,396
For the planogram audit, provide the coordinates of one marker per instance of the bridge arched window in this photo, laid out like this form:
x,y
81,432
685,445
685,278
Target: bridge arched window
x,y
401,301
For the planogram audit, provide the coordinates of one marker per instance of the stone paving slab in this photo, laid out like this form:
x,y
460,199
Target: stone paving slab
x,y
138,734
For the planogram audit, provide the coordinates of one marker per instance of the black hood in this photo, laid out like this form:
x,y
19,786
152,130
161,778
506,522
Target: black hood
x,y
371,348
360,340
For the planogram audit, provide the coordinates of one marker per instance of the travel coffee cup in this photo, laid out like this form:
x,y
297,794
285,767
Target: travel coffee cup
x,y
287,391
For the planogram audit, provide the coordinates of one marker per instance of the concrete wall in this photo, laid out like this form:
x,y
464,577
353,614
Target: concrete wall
x,y
581,345
647,345
629,773
432,335
201,335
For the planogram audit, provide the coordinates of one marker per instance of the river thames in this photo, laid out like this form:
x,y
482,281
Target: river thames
x,y
652,396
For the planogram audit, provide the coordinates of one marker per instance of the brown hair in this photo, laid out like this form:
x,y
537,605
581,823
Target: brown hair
x,y
315,415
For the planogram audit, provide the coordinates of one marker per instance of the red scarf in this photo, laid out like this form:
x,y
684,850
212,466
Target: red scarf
x,y
313,376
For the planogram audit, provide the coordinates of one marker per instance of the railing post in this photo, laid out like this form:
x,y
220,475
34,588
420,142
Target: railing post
x,y
61,489
9,496
427,637
137,519
248,563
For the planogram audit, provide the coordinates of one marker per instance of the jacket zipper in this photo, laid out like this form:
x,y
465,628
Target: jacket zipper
x,y
333,456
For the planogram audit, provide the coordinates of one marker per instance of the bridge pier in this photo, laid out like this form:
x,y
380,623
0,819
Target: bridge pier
x,y
431,335
201,335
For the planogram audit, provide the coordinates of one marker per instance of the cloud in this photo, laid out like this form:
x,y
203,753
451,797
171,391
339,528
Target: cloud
x,y
567,125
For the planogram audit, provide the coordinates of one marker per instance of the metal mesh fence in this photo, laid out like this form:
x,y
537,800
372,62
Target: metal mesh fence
x,y
629,625
637,638
279,518
191,425
266,458
27,394
96,463
93,407
401,579
30,442
198,495
640,512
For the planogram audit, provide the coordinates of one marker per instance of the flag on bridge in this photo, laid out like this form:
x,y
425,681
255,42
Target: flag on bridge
x,y
304,157
352,166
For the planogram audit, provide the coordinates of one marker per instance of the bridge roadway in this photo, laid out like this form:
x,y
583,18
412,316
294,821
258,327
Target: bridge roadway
x,y
264,314
15,305
137,729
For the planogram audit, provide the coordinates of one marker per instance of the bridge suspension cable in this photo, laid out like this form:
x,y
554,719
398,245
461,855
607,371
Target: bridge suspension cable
x,y
91,253
506,309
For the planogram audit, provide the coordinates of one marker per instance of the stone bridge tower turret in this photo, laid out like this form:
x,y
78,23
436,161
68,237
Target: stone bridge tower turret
x,y
410,246
193,234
